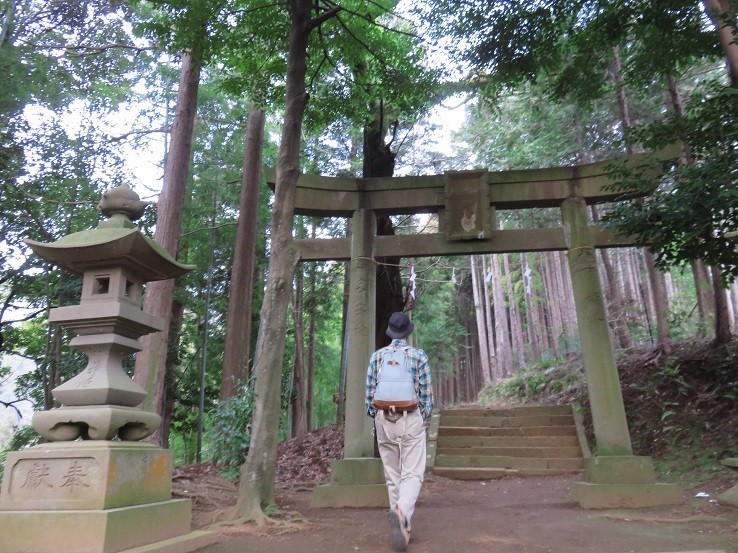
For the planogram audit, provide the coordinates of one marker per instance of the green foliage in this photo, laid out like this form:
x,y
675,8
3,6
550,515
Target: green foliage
x,y
526,129
691,208
328,305
687,463
68,67
230,433
370,57
570,44
548,376
435,314
25,436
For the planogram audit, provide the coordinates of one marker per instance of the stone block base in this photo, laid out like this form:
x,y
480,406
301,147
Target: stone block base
x,y
625,496
90,474
355,482
622,482
729,497
619,469
360,495
350,472
101,531
181,544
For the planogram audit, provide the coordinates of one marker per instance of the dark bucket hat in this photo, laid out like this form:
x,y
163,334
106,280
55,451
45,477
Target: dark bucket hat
x,y
399,326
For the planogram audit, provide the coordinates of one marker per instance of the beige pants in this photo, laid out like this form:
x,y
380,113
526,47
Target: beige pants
x,y
402,449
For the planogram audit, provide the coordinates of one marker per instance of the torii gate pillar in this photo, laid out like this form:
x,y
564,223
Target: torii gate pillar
x,y
357,480
614,477
358,440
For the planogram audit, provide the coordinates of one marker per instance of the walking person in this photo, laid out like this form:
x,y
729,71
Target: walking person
x,y
399,397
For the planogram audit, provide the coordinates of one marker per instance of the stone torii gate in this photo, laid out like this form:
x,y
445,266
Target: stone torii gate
x,y
466,203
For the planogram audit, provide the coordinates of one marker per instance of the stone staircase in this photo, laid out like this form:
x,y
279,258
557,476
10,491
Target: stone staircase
x,y
477,443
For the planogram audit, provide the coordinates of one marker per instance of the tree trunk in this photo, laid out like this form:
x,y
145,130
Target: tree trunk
x,y
311,341
658,291
479,310
533,326
256,485
170,385
469,349
552,303
489,318
722,315
568,311
7,23
705,297
389,296
54,376
548,343
45,365
341,399
613,299
379,161
151,362
733,299
299,384
702,281
542,331
516,322
721,13
502,333
237,341
617,71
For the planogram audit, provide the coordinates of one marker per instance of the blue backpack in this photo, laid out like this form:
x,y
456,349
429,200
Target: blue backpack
x,y
395,389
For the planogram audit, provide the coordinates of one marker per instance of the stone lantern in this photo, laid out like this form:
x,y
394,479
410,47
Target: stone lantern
x,y
94,487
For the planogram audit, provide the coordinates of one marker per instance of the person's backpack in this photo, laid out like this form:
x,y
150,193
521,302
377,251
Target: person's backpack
x,y
395,389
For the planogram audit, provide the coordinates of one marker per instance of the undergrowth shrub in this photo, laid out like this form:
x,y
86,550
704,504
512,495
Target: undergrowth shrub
x,y
231,432
545,377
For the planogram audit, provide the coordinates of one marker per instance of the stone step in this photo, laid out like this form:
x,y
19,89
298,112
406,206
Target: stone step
x,y
545,452
530,410
486,443
507,441
507,462
453,419
463,473
511,432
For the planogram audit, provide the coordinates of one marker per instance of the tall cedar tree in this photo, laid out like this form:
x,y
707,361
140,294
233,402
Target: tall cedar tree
x,y
256,486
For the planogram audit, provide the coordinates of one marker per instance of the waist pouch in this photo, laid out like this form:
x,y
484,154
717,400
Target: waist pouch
x,y
395,406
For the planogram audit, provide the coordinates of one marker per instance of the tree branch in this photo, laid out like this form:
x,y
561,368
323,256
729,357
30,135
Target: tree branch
x,y
11,404
210,227
141,132
374,22
361,42
81,50
23,319
323,17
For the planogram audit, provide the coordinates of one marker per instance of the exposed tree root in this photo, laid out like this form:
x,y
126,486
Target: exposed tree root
x,y
271,520
200,497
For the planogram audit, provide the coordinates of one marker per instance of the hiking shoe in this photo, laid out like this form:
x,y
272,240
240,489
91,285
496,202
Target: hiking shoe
x,y
399,536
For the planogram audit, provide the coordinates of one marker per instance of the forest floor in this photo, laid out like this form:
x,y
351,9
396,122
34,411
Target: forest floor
x,y
681,406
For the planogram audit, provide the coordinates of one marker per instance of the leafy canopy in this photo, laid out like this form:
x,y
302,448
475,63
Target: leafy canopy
x,y
689,209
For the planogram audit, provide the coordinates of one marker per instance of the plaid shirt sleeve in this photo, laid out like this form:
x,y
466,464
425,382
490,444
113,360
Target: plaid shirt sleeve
x,y
423,384
371,384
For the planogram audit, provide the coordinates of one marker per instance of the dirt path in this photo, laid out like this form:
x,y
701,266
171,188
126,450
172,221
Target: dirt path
x,y
531,515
